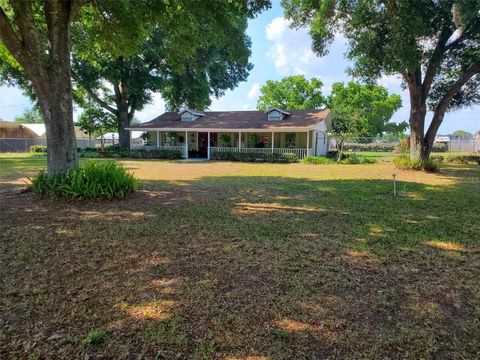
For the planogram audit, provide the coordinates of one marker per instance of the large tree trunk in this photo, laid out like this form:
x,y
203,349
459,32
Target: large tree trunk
x,y
48,68
123,121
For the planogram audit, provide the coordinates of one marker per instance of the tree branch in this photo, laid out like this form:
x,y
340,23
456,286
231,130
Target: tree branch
x,y
447,98
95,97
434,63
11,41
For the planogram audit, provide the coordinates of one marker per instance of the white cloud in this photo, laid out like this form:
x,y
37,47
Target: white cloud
x,y
254,91
292,49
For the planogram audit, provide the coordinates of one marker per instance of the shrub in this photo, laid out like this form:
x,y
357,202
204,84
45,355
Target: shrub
x,y
133,154
354,159
464,159
92,179
317,160
368,160
369,147
252,157
403,146
95,337
37,149
405,163
439,147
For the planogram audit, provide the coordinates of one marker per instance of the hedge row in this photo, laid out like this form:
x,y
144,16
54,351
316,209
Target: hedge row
x,y
134,154
459,159
252,157
437,147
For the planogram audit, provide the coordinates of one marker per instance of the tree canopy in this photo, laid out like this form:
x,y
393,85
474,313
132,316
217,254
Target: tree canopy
x,y
433,45
35,48
188,58
30,116
291,93
375,103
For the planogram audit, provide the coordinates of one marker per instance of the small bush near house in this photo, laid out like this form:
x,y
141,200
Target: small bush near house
x,y
405,163
37,149
355,159
317,160
252,157
91,180
95,337
439,147
133,154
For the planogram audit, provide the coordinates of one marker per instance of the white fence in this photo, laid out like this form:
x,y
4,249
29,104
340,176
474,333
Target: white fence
x,y
301,153
464,146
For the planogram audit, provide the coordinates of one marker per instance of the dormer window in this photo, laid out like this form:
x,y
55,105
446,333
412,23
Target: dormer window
x,y
274,114
186,116
190,115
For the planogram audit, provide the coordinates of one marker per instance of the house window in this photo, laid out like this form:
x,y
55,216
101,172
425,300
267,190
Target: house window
x,y
290,140
186,116
274,116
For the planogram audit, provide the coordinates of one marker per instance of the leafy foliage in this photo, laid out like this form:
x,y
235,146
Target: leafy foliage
x,y
433,45
317,160
253,157
96,337
95,121
133,154
376,104
90,180
405,163
292,93
347,122
30,116
37,149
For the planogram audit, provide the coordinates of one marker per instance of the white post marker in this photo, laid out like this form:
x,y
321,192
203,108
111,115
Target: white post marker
x,y
394,185
208,147
186,144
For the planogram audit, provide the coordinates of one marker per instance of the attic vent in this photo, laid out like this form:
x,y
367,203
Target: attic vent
x,y
275,114
186,116
190,115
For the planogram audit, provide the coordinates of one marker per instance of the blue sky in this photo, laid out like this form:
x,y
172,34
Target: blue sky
x,y
277,51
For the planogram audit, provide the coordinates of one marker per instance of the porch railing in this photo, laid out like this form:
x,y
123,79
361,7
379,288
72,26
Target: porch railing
x,y
301,153
182,148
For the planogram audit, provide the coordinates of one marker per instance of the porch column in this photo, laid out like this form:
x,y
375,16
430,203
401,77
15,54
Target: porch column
x,y
158,139
239,140
208,147
273,139
186,144
308,143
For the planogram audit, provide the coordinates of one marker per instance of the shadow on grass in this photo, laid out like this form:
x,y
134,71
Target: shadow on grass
x,y
246,266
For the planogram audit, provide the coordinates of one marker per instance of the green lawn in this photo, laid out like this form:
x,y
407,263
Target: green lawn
x,y
244,261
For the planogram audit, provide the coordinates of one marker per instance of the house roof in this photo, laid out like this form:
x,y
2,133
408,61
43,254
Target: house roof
x,y
237,120
40,130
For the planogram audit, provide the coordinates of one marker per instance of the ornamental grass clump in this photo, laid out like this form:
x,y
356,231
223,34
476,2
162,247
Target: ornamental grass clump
x,y
91,180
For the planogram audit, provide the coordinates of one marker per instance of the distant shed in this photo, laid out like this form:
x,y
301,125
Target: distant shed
x,y
11,130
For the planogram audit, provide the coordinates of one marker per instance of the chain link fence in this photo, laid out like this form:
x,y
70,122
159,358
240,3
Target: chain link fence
x,y
23,144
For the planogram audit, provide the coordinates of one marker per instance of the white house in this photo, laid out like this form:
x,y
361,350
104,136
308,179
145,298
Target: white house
x,y
199,134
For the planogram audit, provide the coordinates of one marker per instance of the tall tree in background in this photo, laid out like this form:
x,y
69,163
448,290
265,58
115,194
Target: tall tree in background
x,y
376,104
433,45
95,121
35,54
291,93
188,57
30,116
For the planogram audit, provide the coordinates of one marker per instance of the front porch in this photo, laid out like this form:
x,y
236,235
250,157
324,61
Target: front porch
x,y
196,144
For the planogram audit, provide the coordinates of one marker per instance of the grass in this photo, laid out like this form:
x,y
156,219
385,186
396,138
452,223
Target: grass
x,y
232,260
